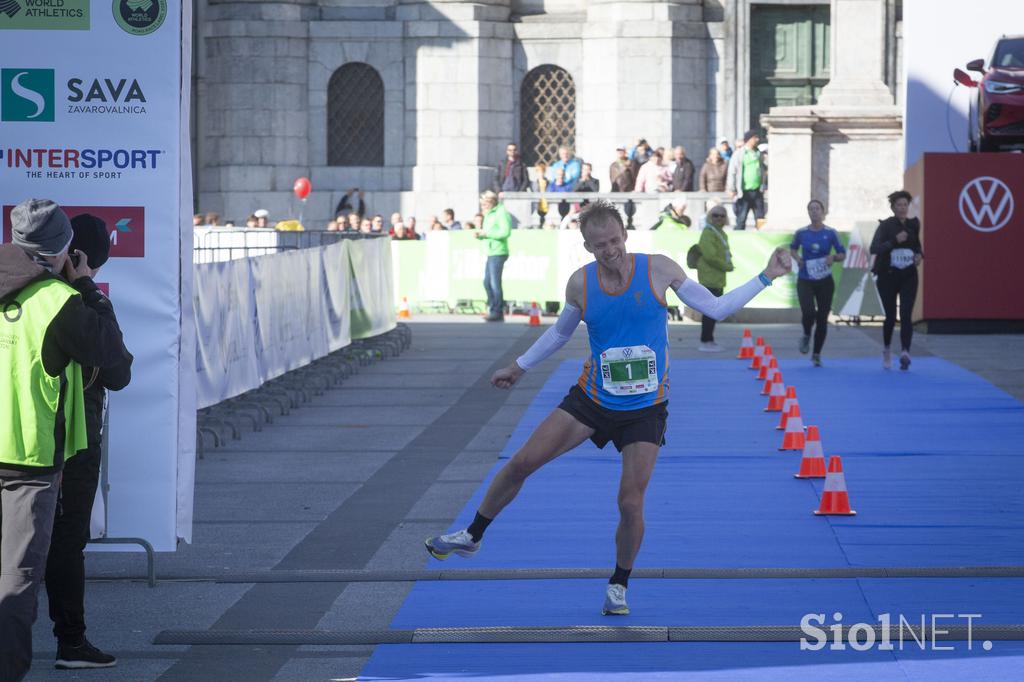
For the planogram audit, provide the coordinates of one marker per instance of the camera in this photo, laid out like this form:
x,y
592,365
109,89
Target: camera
x,y
75,258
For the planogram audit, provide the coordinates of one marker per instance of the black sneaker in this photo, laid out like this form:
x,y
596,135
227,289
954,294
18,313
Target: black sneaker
x,y
84,655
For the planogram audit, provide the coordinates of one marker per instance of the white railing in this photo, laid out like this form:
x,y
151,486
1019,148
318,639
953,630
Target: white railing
x,y
639,209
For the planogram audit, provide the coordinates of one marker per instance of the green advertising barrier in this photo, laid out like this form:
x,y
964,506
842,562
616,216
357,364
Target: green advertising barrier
x,y
449,266
370,260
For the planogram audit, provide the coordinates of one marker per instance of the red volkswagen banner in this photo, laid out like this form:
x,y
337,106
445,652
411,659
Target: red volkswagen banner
x,y
972,224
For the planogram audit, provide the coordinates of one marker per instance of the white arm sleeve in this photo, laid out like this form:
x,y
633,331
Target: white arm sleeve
x,y
554,338
719,307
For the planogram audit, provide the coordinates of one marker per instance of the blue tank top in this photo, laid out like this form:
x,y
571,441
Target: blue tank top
x,y
628,364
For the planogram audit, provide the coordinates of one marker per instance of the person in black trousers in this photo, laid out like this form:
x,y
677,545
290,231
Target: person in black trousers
x,y
896,247
65,565
812,247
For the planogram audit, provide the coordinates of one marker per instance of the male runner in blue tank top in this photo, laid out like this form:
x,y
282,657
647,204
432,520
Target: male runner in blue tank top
x,y
622,393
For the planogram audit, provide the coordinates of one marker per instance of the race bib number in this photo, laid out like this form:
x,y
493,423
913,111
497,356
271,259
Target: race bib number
x,y
818,268
901,258
629,370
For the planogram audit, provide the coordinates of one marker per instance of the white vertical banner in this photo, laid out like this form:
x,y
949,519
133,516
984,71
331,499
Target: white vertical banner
x,y
94,115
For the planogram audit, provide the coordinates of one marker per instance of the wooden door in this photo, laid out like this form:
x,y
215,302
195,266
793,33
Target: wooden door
x,y
789,56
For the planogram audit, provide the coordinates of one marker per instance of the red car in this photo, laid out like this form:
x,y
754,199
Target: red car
x,y
1000,112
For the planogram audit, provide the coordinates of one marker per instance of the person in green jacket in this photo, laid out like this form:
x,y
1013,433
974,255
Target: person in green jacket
x,y
715,260
496,228
49,328
674,216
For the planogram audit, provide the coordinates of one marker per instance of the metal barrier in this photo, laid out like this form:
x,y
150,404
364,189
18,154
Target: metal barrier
x,y
212,245
104,489
278,397
640,210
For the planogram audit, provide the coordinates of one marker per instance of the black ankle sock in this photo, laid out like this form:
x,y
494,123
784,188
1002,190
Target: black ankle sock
x,y
621,576
479,525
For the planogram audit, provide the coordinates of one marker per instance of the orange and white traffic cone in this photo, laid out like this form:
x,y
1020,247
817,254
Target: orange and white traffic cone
x,y
812,464
769,370
793,438
755,361
790,401
534,315
403,309
777,394
835,500
767,362
746,347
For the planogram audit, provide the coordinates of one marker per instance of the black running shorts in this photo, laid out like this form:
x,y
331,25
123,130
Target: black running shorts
x,y
621,427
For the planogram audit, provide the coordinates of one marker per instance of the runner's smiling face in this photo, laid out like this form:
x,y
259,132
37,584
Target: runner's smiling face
x,y
607,241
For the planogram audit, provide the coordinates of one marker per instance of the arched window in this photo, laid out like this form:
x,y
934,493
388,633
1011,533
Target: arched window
x,y
355,117
547,113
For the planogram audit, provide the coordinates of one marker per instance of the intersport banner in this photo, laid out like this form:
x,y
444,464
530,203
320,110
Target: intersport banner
x,y
93,114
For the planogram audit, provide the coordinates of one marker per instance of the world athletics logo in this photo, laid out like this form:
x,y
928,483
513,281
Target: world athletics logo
x,y
47,15
139,17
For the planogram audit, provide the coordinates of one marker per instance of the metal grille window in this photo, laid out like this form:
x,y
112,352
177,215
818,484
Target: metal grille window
x,y
355,117
547,113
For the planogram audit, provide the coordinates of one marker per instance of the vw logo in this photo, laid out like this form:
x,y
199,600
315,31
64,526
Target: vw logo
x,y
986,204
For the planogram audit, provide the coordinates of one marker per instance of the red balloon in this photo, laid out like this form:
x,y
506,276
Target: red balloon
x,y
302,188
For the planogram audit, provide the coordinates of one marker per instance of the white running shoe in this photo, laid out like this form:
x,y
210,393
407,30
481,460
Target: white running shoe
x,y
459,542
709,347
886,358
615,601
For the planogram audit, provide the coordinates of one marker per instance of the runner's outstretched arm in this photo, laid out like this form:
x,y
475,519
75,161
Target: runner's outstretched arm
x,y
720,307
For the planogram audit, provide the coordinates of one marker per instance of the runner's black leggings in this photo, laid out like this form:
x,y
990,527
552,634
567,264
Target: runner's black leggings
x,y
815,304
903,283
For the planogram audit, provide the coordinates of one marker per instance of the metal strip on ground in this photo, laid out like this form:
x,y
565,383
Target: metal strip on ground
x,y
578,634
388,576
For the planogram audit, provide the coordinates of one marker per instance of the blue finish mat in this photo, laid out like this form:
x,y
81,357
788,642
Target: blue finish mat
x,y
932,465
706,662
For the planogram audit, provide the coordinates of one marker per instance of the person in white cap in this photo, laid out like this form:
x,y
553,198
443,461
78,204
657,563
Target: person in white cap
x,y
262,215
724,149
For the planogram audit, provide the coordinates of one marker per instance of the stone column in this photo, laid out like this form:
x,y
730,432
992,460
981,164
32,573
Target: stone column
x,y
253,141
791,165
849,145
458,56
857,55
644,74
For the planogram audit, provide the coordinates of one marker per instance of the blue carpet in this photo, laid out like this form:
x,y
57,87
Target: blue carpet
x,y
711,662
932,464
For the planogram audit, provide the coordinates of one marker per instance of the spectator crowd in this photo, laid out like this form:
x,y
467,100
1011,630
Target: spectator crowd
x,y
739,170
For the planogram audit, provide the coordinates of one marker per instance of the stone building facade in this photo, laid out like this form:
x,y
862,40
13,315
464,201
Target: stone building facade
x,y
413,101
